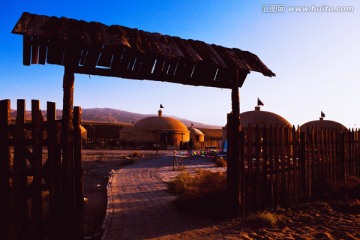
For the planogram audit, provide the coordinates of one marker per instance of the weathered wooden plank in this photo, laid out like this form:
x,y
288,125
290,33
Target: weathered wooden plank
x,y
216,55
118,36
161,41
202,74
146,46
72,54
277,154
4,168
271,166
22,24
250,182
264,196
55,52
289,166
38,23
78,172
42,51
92,56
26,50
54,172
35,50
204,52
176,50
36,197
242,172
188,51
159,49
106,56
117,58
19,207
257,186
135,40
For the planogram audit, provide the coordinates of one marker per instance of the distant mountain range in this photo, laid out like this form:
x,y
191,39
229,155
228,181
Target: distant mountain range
x,y
109,115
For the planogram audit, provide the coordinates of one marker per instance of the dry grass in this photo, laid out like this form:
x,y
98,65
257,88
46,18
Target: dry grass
x,y
203,193
262,219
220,162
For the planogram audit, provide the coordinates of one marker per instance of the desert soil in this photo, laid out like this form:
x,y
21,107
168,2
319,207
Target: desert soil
x,y
320,220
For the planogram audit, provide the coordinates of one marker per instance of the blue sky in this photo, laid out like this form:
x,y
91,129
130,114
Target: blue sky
x,y
315,55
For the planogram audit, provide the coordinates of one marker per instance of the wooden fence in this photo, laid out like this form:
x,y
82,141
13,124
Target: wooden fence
x,y
115,144
34,202
285,166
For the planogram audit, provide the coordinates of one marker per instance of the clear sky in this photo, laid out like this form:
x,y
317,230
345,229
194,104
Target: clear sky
x,y
315,55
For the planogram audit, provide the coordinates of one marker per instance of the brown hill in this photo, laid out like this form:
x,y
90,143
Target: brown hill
x,y
109,115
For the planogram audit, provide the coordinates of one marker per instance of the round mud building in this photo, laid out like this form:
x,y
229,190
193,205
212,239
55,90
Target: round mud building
x,y
322,124
165,131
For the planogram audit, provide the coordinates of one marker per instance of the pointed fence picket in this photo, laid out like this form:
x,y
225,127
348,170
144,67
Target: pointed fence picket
x,y
282,166
30,170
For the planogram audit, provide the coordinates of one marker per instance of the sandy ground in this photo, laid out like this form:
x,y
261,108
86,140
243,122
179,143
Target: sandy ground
x,y
321,220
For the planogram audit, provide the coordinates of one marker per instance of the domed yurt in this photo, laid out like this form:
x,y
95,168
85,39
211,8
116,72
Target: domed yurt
x,y
196,134
162,130
260,118
322,124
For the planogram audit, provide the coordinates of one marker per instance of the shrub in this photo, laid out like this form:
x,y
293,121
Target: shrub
x,y
181,183
203,193
220,162
348,190
347,206
135,154
262,219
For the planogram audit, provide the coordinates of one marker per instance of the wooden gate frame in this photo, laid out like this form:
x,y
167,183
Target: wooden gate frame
x,y
117,51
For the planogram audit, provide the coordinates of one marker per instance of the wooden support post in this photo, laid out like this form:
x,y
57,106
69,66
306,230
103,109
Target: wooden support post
x,y
4,168
233,178
67,130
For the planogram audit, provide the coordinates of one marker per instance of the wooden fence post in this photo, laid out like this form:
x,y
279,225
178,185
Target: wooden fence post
x,y
54,166
342,158
19,208
36,185
242,172
302,166
4,168
79,183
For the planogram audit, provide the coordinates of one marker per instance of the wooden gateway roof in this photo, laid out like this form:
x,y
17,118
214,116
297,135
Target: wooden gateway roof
x,y
96,49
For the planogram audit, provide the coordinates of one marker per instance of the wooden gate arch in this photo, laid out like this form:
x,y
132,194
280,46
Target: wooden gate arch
x,y
116,51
